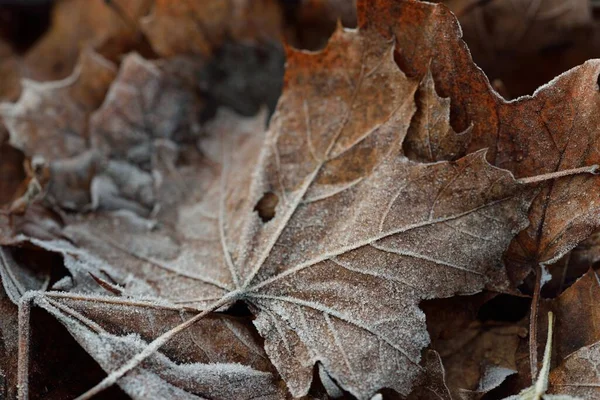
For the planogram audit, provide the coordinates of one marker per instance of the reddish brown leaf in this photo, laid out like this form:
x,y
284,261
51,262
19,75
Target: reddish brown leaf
x,y
351,211
553,130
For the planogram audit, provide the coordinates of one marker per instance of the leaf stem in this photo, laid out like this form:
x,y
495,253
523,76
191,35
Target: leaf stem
x,y
156,344
592,169
23,349
533,317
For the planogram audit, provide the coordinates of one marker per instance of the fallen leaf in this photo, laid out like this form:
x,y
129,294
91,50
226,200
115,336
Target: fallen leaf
x,y
480,358
578,375
51,119
220,358
576,307
328,167
553,130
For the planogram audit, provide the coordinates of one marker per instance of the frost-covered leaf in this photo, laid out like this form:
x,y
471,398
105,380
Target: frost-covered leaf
x,y
219,358
578,374
555,129
333,204
430,137
51,119
577,306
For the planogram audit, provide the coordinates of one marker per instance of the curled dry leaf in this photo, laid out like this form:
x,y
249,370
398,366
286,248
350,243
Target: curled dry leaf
x,y
190,26
51,119
555,129
219,358
346,210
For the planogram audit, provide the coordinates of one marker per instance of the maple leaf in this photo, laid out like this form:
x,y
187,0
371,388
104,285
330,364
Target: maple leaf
x,y
196,216
558,119
338,206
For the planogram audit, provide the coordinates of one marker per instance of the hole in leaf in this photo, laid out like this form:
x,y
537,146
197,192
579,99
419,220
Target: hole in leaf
x,y
239,309
266,206
504,307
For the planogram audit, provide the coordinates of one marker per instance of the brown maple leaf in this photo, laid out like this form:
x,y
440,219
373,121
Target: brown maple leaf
x,y
338,206
552,131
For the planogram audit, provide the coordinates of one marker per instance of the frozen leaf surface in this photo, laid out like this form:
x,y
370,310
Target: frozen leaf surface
x,y
220,358
555,129
334,204
51,119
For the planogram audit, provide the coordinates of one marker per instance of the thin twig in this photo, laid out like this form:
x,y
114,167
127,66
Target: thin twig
x,y
592,169
23,351
533,317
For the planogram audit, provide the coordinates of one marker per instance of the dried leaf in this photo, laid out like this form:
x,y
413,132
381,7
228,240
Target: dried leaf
x,y
577,306
553,130
51,119
219,358
479,358
350,210
578,374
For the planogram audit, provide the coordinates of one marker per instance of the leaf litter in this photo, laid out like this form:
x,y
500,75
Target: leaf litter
x,y
391,180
